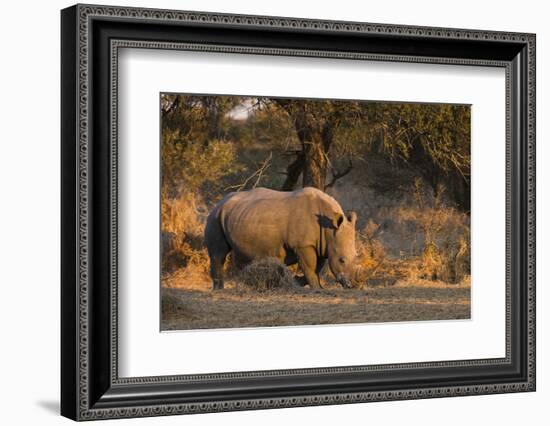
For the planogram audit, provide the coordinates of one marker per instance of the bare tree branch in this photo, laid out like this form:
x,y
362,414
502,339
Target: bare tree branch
x,y
338,175
258,175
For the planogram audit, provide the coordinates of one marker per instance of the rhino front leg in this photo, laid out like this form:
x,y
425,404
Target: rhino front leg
x,y
307,258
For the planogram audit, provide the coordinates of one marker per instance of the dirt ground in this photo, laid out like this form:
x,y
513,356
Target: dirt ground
x,y
196,306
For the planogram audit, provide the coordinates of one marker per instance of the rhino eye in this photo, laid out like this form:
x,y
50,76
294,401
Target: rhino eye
x,y
342,260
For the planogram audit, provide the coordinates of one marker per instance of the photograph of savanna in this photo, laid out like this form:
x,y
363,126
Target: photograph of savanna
x,y
294,211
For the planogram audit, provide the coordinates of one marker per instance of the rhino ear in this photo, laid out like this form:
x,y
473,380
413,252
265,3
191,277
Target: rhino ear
x,y
352,217
338,219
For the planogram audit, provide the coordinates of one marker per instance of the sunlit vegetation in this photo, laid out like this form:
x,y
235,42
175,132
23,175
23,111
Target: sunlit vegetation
x,y
403,167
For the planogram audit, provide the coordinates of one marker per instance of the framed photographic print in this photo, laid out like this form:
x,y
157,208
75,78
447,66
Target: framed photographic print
x,y
263,212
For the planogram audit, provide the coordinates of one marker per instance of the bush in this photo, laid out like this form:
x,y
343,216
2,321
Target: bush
x,y
421,238
449,263
445,235
371,255
188,165
266,274
183,233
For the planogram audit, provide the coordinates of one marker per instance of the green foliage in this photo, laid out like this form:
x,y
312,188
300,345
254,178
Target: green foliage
x,y
439,131
190,166
194,152
219,142
264,127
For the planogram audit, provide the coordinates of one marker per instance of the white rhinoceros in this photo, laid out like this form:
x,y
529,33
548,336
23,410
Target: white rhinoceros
x,y
305,226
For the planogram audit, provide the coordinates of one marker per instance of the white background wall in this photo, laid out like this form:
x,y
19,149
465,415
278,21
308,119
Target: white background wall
x,y
29,211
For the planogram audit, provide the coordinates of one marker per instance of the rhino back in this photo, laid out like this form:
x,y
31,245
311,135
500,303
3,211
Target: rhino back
x,y
263,222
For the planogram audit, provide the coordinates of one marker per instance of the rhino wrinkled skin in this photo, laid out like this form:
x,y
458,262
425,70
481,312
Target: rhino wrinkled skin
x,y
305,226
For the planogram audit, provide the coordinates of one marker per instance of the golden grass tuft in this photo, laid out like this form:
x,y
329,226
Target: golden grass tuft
x,y
266,275
183,221
445,252
414,241
371,255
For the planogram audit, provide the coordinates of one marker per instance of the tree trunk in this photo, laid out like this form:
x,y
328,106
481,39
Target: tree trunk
x,y
315,166
293,172
315,136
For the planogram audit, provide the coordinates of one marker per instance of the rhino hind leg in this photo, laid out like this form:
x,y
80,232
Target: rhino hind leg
x,y
218,249
216,270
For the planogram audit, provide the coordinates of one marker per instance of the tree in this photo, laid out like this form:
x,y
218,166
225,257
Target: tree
x,y
316,123
316,142
434,139
194,150
431,138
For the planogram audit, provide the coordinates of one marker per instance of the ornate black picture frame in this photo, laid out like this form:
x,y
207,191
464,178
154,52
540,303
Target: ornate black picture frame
x,y
90,385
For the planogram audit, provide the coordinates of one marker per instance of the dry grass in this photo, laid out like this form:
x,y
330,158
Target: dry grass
x,y
413,265
197,307
183,221
371,255
444,235
420,238
266,275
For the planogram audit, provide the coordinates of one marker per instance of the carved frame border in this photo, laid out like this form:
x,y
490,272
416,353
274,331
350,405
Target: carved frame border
x,y
85,13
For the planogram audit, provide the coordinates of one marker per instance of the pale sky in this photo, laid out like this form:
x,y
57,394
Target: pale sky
x,y
242,111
